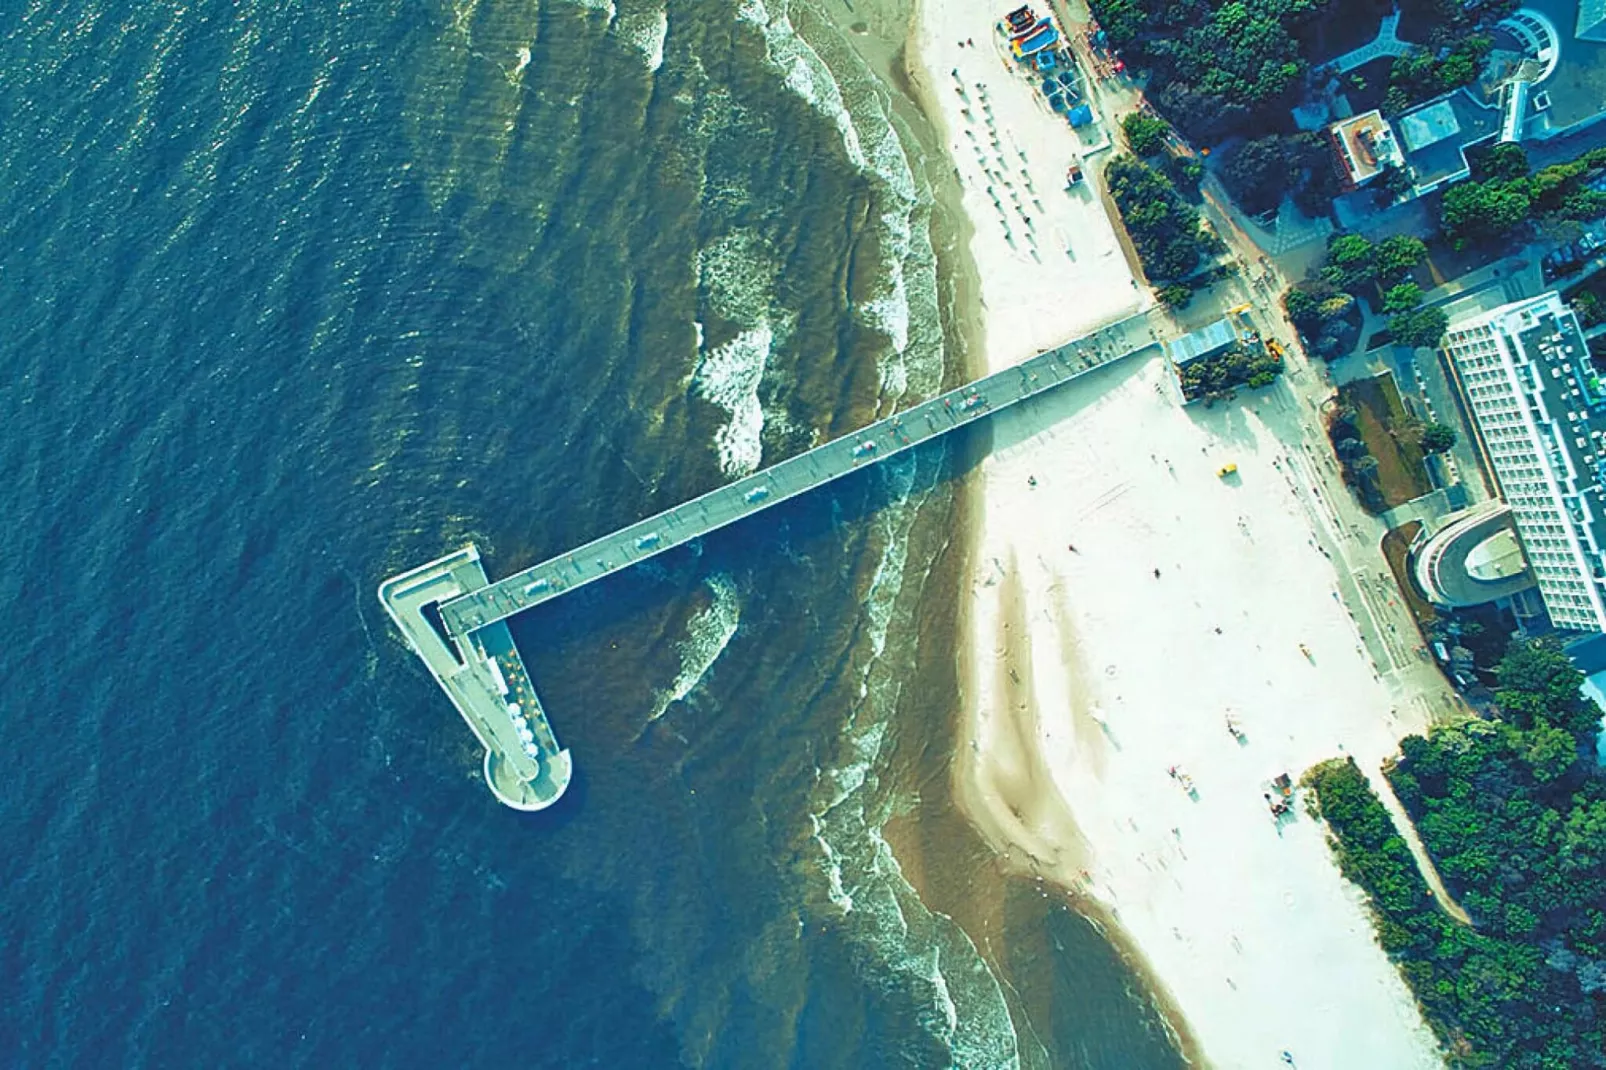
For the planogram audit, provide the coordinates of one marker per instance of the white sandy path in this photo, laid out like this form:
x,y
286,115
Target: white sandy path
x,y
1225,897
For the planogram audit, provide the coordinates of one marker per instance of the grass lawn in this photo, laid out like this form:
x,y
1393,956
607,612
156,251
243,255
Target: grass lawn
x,y
1400,473
1395,545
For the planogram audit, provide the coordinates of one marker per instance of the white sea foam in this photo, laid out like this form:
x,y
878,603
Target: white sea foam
x,y
708,633
854,875
729,376
646,31
737,273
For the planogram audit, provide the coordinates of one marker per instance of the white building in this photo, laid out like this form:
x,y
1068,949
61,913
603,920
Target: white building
x,y
1540,408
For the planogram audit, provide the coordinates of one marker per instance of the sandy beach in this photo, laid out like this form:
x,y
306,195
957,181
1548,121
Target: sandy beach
x,y
1125,599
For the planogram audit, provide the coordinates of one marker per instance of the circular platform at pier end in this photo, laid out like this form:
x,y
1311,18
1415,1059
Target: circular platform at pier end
x,y
537,794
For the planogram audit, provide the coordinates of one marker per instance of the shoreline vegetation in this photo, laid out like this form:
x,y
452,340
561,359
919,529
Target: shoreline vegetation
x,y
1513,812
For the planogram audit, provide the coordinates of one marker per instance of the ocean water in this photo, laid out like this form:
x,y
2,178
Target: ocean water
x,y
295,296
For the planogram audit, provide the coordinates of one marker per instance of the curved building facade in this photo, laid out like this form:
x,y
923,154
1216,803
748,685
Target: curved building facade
x,y
1474,558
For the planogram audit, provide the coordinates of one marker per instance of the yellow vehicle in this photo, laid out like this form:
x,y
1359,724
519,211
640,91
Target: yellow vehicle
x,y
1274,349
1227,470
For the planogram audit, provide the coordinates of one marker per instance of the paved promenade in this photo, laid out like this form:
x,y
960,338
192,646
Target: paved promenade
x,y
797,475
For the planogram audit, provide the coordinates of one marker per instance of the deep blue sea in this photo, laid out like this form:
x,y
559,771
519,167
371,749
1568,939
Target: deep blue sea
x,y
295,296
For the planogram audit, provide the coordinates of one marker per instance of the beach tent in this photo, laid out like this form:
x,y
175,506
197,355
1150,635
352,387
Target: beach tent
x,y
1080,115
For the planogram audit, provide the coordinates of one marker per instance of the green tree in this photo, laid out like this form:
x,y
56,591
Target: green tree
x,y
1176,295
1145,135
1437,438
1350,264
1303,306
1539,683
1394,257
1257,173
1583,844
1589,308
1405,297
1336,307
1422,327
1391,184
1505,162
1349,450
1550,752
1482,211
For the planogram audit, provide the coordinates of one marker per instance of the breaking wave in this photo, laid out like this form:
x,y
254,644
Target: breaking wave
x,y
729,376
708,633
646,31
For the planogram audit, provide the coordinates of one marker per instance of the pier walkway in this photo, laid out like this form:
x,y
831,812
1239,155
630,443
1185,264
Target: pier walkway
x,y
469,651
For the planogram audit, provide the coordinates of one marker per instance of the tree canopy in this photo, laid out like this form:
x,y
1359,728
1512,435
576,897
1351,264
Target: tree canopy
x,y
1514,816
1437,438
1257,173
1483,211
1145,135
1217,66
1165,230
1419,328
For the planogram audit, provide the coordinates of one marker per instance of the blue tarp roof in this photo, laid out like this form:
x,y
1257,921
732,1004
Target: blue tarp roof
x,y
1204,342
1081,115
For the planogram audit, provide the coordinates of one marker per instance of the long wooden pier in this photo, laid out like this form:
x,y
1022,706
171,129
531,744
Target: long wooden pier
x,y
471,654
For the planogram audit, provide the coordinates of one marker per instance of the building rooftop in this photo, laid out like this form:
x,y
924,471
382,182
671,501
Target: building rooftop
x,y
1365,146
1575,92
1207,341
1546,396
1435,137
1473,558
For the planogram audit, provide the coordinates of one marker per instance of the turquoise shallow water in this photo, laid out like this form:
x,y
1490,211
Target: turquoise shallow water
x,y
296,296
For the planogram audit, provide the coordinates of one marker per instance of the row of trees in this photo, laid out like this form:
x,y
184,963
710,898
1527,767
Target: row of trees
x,y
1502,197
1217,376
1165,229
1322,307
1422,74
1357,465
1513,812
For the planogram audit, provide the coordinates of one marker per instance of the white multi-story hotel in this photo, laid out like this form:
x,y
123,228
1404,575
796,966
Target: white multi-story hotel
x,y
1540,408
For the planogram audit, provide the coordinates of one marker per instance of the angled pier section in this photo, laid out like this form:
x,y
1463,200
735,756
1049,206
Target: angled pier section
x,y
454,617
